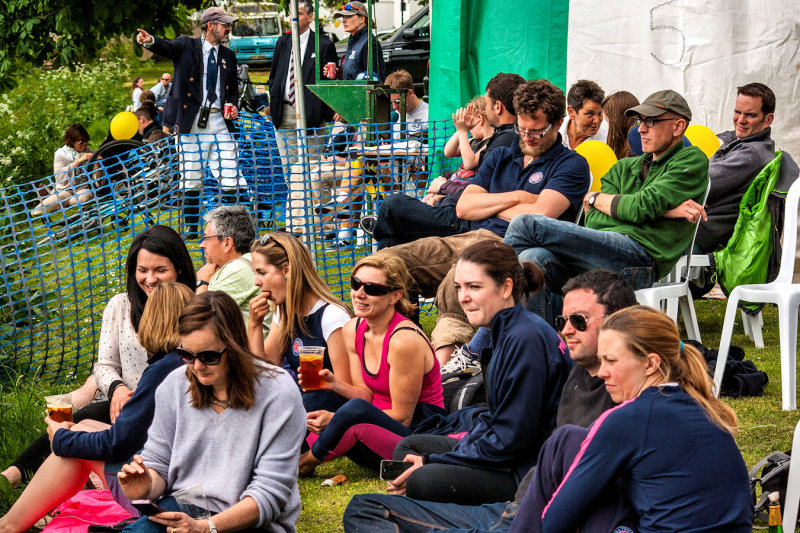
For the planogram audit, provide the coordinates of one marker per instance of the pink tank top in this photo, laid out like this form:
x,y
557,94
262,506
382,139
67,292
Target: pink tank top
x,y
379,382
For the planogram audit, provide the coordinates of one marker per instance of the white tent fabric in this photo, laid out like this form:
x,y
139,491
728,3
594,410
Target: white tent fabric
x,y
703,49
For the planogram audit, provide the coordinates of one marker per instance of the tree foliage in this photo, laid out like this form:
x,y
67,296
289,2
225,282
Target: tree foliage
x,y
66,32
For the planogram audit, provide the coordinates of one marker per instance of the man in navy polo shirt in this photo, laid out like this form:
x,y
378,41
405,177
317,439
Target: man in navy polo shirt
x,y
536,176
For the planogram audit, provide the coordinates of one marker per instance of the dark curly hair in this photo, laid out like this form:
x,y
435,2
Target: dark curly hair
x,y
542,95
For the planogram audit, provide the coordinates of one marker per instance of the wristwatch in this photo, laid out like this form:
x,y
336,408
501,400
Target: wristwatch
x,y
211,527
592,199
200,283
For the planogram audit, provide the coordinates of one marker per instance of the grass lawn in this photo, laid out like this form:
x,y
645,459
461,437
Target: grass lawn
x,y
763,426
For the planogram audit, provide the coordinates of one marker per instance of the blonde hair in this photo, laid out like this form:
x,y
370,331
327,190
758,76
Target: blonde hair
x,y
646,330
158,328
397,277
279,249
480,104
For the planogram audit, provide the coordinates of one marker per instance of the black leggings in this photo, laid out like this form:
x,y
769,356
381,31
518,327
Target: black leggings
x,y
438,482
35,454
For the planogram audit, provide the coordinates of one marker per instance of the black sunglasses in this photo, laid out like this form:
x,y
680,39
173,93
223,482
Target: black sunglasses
x,y
372,289
577,320
207,357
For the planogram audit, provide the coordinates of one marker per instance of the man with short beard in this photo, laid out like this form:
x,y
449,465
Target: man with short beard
x,y
538,175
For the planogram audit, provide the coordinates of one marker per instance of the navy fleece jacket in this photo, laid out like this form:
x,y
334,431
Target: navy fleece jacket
x,y
129,432
524,378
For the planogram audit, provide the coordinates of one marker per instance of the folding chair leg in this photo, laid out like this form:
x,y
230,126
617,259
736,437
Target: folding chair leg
x,y
689,317
752,327
725,340
787,326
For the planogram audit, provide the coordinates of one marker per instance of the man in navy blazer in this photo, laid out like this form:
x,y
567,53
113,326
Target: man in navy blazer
x,y
284,111
204,78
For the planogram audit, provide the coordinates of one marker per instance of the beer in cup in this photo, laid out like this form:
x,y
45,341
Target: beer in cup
x,y
310,365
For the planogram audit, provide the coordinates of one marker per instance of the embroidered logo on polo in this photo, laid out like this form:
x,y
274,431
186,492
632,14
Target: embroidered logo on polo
x,y
296,345
536,177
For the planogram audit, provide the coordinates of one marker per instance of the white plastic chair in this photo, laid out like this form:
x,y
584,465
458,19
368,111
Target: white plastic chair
x,y
752,324
675,292
781,292
793,487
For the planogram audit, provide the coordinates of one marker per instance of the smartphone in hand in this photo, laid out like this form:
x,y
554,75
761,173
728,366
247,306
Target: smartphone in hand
x,y
147,507
392,469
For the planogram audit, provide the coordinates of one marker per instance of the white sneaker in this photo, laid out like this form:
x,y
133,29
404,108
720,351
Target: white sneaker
x,y
462,361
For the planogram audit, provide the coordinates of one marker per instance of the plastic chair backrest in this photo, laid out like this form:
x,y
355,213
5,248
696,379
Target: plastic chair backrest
x,y
600,157
789,242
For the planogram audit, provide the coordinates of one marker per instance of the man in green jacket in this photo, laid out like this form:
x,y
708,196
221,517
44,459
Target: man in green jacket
x,y
637,224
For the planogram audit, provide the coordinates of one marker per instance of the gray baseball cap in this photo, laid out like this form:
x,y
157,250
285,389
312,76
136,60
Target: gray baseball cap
x,y
659,103
217,14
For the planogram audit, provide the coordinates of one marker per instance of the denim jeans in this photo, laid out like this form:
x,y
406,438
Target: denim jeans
x,y
564,250
367,513
403,219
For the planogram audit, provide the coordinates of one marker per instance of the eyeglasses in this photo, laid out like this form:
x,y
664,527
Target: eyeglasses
x,y
396,102
371,289
207,357
82,141
577,320
264,240
228,25
529,133
203,239
166,79
650,122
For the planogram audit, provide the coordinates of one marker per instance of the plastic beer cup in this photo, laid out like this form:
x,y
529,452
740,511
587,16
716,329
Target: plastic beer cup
x,y
310,365
59,407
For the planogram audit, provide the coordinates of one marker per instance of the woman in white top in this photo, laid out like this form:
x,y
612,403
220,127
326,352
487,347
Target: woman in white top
x,y
68,190
156,255
136,91
306,313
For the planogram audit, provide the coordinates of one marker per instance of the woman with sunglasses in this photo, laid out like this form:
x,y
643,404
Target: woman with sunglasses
x,y
225,423
306,314
395,374
524,377
156,255
85,447
664,460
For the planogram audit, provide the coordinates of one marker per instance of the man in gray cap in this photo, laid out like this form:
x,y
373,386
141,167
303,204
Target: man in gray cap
x,y
204,82
632,226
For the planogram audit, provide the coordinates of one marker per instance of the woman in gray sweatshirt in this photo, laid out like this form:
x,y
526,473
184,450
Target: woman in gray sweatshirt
x,y
224,423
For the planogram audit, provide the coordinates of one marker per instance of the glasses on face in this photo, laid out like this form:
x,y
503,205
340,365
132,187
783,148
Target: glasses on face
x,y
203,239
650,122
371,289
207,357
578,321
166,79
82,141
396,102
531,134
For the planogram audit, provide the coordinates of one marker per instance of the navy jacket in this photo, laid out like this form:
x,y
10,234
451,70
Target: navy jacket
x,y
528,367
354,61
316,111
129,432
183,101
559,169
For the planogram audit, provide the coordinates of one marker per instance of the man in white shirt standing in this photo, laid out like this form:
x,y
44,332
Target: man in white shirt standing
x,y
283,109
584,120
205,80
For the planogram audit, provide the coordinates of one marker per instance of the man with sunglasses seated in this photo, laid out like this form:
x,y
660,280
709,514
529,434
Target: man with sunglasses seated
x,y
535,175
631,224
588,299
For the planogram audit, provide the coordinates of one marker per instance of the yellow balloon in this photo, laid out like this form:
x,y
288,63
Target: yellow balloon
x,y
124,125
702,137
600,157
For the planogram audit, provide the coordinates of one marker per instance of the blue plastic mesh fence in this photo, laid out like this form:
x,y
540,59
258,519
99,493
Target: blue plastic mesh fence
x,y
64,239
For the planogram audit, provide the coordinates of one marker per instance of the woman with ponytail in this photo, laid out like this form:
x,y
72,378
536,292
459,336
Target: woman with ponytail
x,y
665,459
524,372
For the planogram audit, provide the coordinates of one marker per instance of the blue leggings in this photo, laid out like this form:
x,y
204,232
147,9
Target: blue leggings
x,y
365,434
